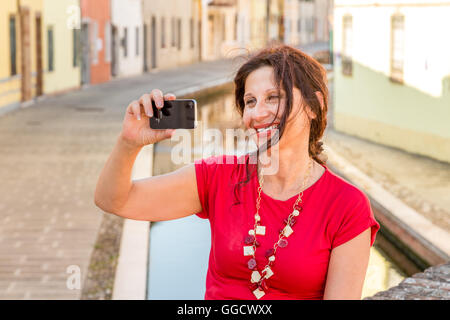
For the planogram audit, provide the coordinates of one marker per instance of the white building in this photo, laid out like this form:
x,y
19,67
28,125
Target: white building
x,y
392,73
127,38
315,20
172,31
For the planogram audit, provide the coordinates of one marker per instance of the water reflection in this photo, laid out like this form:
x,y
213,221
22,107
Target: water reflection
x,y
381,274
217,112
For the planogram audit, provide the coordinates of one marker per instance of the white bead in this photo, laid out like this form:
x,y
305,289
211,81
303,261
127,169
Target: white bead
x,y
258,293
248,250
251,232
268,272
287,231
257,218
295,213
272,258
261,230
256,276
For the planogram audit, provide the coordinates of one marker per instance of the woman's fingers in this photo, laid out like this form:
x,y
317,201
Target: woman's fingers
x,y
136,109
157,96
146,103
169,96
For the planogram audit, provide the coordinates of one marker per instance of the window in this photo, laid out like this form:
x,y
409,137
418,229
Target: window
x,y
224,28
191,22
311,24
347,46
397,48
125,42
12,45
76,47
173,32
50,49
163,32
137,41
179,34
236,20
108,47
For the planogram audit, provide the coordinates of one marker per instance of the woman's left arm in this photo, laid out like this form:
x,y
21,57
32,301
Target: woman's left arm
x,y
347,268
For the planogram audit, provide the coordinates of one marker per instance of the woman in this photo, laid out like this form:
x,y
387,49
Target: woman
x,y
299,233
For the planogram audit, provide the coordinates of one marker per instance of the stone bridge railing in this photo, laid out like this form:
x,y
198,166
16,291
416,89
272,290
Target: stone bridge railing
x,y
432,284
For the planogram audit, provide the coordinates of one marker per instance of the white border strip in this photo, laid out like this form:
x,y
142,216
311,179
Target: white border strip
x,y
130,281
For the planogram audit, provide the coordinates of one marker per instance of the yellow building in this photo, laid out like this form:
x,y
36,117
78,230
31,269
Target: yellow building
x,y
61,45
19,59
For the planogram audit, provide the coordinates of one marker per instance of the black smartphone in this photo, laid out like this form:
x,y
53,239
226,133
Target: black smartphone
x,y
175,114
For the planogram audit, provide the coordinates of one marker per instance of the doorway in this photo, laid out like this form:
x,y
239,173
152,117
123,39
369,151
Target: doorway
x,y
39,64
26,82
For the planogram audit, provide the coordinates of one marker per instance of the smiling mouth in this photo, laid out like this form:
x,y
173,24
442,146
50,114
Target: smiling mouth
x,y
266,129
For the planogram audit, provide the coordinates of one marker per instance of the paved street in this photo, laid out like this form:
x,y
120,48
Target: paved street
x,y
53,151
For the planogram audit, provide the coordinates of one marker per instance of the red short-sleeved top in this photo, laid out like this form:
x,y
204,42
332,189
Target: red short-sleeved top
x,y
334,211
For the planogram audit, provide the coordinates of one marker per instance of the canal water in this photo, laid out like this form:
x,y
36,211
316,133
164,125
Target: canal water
x,y
179,249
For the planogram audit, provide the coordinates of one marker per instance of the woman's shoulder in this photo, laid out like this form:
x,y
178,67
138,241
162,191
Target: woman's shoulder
x,y
343,189
351,210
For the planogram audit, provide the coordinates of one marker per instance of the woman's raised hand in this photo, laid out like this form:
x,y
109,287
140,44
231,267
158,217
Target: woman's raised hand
x,y
136,129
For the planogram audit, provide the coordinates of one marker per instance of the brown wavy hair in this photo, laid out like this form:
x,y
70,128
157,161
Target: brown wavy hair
x,y
292,68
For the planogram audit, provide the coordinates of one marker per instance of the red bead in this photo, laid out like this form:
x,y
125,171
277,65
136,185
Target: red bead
x,y
262,285
269,252
257,243
251,264
282,243
253,286
291,222
249,239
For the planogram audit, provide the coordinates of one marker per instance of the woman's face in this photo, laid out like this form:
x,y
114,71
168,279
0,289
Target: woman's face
x,y
261,102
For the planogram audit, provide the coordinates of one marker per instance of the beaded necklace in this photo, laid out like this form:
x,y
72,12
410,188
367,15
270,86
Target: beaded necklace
x,y
258,280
